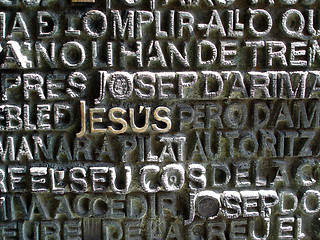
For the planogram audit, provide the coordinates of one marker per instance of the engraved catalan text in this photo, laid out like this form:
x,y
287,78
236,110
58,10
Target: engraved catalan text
x,y
159,119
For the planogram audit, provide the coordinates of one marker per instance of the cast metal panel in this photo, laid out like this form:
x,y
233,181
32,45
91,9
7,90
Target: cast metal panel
x,y
169,119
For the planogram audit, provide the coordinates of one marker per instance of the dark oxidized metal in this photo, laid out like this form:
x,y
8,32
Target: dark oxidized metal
x,y
208,207
159,119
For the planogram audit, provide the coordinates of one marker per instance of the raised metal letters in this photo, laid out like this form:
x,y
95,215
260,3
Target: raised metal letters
x,y
168,119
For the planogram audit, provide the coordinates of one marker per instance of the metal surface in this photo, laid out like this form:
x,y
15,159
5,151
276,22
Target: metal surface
x,y
169,119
